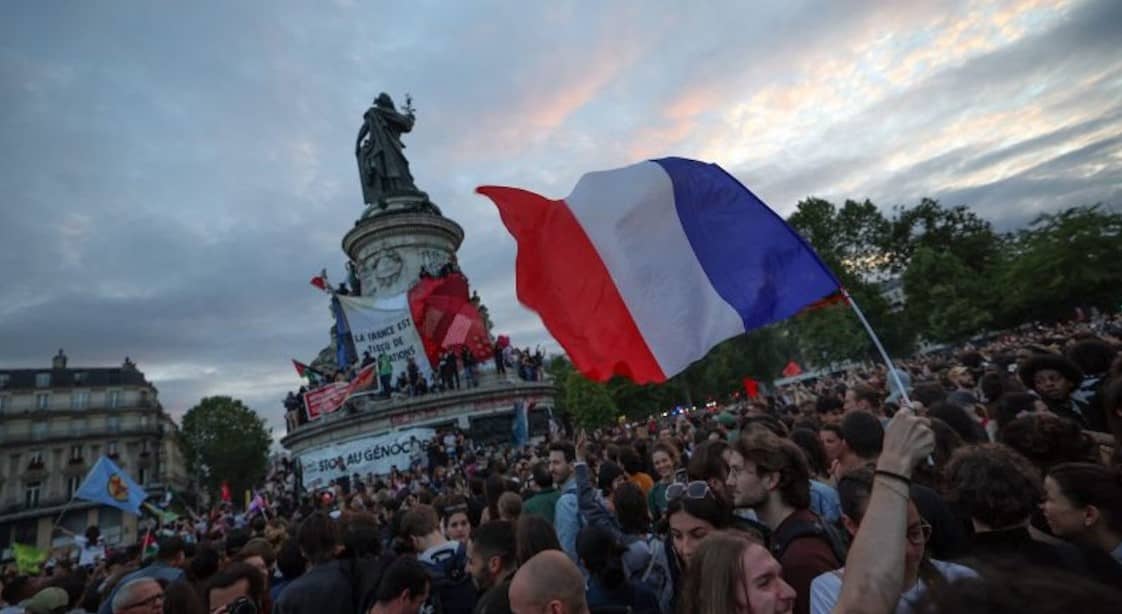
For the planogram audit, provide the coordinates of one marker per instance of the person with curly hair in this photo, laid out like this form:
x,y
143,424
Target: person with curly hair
x,y
1055,378
999,489
1047,440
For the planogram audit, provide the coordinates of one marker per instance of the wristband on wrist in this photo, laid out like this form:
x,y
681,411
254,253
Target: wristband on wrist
x,y
887,483
895,476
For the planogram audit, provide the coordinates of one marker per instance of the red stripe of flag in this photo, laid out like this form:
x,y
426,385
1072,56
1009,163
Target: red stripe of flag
x,y
560,275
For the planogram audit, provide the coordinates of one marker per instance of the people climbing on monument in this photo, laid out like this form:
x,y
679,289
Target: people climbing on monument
x,y
413,373
467,358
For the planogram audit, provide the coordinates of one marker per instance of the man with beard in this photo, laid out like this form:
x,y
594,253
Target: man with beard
x,y
770,475
491,562
566,517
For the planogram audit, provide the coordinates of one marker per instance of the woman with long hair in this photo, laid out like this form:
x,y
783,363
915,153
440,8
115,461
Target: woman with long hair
x,y
533,534
730,573
1083,504
608,586
664,459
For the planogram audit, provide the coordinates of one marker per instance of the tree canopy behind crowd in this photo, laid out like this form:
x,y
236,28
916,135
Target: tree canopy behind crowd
x,y
959,275
225,440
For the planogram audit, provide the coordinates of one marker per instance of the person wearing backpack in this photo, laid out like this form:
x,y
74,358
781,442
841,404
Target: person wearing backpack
x,y
770,475
608,585
644,557
452,591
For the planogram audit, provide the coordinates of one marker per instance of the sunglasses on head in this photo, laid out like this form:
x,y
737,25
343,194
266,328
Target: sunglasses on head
x,y
691,490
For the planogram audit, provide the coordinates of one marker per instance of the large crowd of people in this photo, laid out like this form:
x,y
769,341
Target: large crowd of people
x,y
988,479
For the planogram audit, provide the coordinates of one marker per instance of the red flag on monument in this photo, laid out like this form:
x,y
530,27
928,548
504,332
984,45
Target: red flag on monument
x,y
446,318
792,369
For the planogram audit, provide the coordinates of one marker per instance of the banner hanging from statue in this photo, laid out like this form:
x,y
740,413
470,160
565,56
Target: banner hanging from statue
x,y
385,326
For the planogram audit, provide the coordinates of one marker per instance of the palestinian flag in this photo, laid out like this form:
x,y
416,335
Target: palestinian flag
x,y
304,370
149,546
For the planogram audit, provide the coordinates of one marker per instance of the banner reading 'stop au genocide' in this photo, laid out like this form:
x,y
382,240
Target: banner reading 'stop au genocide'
x,y
375,455
385,326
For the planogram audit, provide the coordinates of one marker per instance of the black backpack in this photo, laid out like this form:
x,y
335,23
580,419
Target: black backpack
x,y
794,529
452,590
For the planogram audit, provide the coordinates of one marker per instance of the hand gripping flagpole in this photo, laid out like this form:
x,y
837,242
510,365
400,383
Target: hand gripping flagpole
x,y
880,348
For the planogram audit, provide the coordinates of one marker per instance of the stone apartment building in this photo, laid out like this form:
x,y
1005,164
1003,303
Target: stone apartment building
x,y
54,425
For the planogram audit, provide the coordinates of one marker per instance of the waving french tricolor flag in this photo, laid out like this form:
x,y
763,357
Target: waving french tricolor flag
x,y
643,269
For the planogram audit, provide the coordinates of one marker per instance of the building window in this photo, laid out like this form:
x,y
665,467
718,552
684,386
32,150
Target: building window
x,y
42,380
35,459
31,494
4,379
81,377
111,449
72,484
75,453
142,476
5,402
39,430
42,401
113,424
79,400
113,399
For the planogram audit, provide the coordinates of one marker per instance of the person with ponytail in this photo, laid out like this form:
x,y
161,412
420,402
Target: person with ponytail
x,y
608,586
1083,504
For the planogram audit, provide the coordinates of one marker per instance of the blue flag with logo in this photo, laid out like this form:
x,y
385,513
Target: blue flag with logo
x,y
106,483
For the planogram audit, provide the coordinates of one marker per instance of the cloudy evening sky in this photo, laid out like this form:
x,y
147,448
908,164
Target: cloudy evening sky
x,y
173,176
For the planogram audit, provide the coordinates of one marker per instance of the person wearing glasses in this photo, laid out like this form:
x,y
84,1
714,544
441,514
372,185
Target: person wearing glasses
x,y
139,596
920,571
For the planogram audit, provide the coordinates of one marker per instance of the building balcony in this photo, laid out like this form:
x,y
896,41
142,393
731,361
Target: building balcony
x,y
53,505
64,409
26,436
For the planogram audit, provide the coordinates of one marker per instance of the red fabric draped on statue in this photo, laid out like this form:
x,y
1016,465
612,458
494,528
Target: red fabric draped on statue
x,y
446,318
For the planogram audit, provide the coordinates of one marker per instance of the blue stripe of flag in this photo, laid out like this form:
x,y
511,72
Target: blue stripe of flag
x,y
756,262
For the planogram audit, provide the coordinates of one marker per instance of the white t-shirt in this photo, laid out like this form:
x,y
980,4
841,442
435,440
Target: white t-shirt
x,y
826,588
87,554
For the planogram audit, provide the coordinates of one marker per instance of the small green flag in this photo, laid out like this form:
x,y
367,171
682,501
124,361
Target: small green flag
x,y
164,515
28,558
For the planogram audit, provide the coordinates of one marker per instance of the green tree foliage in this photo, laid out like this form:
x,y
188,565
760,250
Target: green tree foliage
x,y
947,300
588,402
931,226
852,241
225,440
1061,261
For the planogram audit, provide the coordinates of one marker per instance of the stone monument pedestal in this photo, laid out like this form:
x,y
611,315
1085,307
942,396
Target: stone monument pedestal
x,y
391,244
